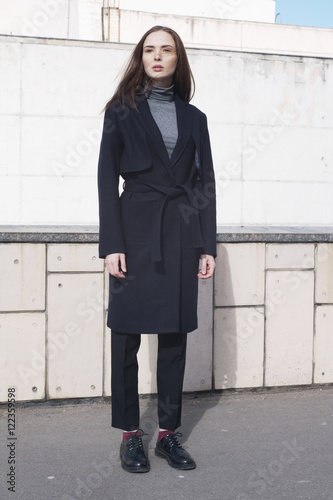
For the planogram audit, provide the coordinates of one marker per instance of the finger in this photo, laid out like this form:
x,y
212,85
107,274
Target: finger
x,y
114,268
203,266
123,262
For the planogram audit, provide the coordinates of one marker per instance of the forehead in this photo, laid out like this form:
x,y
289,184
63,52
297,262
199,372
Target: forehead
x,y
159,38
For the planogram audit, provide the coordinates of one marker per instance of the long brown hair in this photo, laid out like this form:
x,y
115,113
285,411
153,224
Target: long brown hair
x,y
135,81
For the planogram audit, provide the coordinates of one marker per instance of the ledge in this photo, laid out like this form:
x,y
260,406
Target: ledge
x,y
225,234
274,234
49,234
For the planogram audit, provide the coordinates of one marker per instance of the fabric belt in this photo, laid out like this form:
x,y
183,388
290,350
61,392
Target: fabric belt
x,y
168,192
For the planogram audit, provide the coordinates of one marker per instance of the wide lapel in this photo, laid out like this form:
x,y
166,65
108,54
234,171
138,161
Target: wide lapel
x,y
184,122
151,127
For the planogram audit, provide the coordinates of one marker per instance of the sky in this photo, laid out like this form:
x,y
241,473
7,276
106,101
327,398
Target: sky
x,y
317,13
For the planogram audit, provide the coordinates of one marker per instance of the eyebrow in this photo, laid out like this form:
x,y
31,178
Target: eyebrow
x,y
163,46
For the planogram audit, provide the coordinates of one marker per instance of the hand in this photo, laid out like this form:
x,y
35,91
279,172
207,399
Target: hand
x,y
207,266
116,264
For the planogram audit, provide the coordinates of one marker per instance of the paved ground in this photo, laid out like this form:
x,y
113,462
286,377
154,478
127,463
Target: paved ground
x,y
248,446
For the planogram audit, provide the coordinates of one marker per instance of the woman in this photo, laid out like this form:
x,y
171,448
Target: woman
x,y
153,235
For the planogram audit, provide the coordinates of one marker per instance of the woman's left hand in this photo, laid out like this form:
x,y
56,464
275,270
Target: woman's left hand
x,y
207,266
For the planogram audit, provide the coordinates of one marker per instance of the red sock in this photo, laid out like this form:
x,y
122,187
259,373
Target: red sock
x,y
127,435
162,434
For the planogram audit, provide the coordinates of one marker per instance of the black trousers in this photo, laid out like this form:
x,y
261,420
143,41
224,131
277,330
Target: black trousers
x,y
171,357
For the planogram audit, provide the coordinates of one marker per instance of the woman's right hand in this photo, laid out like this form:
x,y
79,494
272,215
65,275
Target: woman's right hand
x,y
116,264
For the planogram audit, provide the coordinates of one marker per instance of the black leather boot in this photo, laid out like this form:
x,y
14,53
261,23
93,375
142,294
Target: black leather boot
x,y
132,454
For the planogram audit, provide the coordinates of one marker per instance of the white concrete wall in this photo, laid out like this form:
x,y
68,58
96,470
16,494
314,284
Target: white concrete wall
x,y
82,19
128,27
244,10
270,119
268,321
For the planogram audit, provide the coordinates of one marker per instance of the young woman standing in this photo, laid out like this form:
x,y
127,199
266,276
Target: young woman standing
x,y
153,235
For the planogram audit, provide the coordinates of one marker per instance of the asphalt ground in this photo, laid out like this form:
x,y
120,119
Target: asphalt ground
x,y
269,445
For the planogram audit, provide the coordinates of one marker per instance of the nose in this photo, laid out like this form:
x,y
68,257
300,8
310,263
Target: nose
x,y
157,55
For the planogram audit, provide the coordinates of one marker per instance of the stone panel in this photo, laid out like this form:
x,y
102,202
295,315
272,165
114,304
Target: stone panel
x,y
75,335
289,327
324,273
22,355
107,362
290,256
74,257
240,274
238,347
22,271
198,371
323,345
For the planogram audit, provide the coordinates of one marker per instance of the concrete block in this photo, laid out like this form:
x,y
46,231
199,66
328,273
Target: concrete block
x,y
107,361
68,146
227,161
73,201
214,76
229,200
198,371
75,335
240,274
289,256
74,257
59,71
324,273
267,150
10,71
274,203
238,347
323,345
106,287
10,146
10,201
22,271
22,355
289,327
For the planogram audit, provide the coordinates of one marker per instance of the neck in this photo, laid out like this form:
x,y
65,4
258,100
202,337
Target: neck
x,y
161,93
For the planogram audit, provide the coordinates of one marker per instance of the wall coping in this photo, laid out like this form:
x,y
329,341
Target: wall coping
x,y
225,234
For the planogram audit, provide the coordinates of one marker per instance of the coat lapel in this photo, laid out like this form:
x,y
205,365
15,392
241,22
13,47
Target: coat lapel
x,y
184,122
148,122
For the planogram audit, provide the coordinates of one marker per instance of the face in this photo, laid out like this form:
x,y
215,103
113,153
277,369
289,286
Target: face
x,y
159,58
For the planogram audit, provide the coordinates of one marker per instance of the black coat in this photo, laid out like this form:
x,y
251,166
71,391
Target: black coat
x,y
163,221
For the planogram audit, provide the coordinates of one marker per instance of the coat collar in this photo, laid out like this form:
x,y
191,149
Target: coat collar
x,y
184,123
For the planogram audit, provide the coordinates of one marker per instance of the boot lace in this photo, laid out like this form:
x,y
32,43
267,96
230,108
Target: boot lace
x,y
135,442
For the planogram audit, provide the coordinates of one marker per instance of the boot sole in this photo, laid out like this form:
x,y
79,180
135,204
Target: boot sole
x,y
129,468
160,454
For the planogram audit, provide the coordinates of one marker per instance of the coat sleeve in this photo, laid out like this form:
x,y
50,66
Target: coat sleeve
x,y
207,214
111,238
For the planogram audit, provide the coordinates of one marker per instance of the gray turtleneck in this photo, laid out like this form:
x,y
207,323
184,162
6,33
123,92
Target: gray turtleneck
x,y
162,106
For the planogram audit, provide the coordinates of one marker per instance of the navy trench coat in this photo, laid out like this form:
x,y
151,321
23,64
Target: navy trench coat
x,y
164,219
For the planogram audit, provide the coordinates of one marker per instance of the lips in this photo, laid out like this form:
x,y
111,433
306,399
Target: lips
x,y
157,67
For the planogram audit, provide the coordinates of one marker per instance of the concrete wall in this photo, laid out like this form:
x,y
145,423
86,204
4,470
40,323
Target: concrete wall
x,y
266,321
244,10
82,19
270,119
